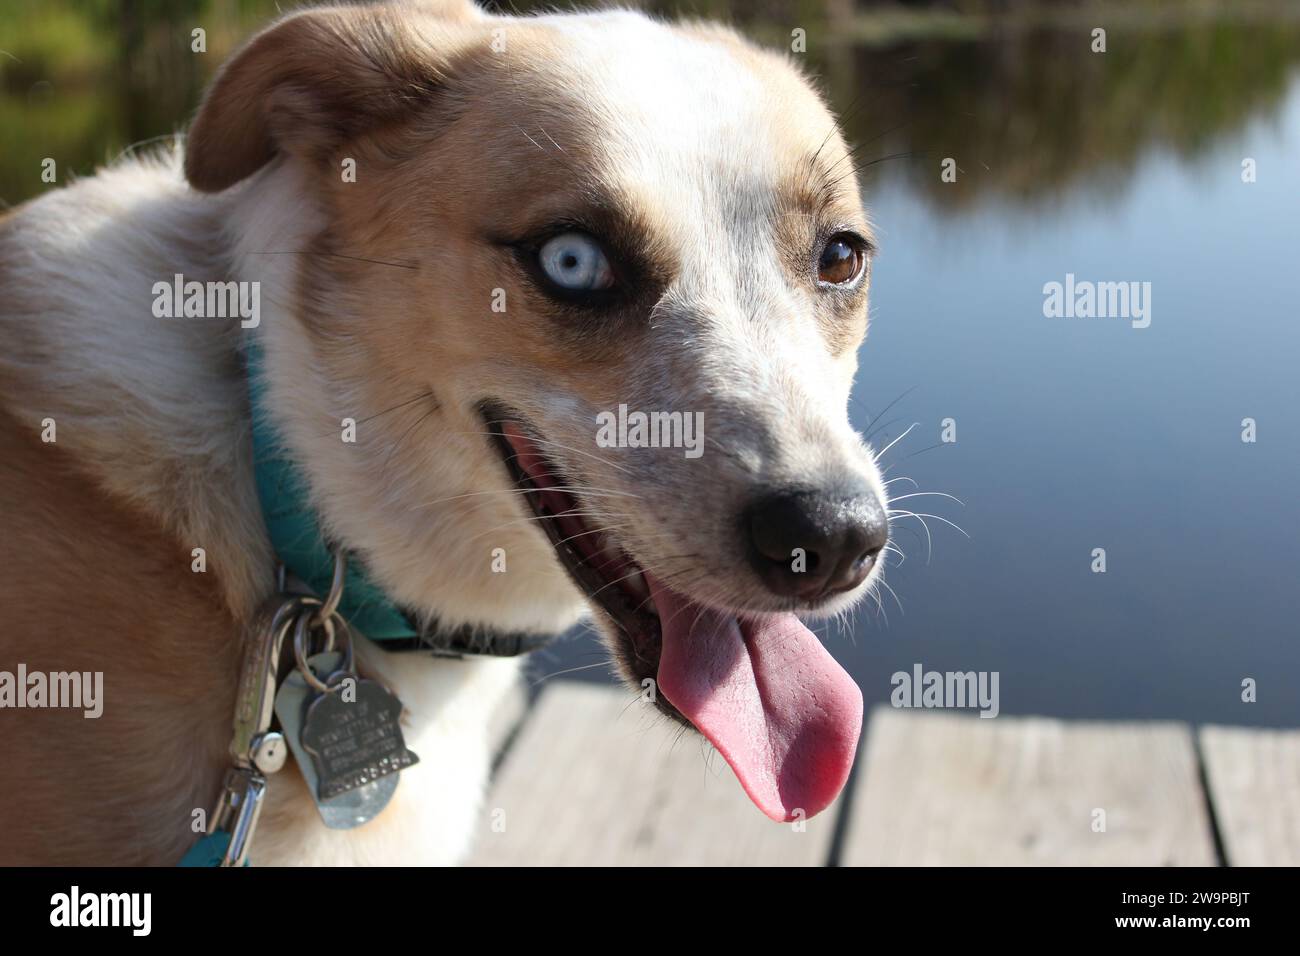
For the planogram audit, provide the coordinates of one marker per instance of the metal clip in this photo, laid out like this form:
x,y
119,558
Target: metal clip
x,y
255,704
237,813
255,749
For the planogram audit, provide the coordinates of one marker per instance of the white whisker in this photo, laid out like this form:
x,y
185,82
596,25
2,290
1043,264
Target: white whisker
x,y
882,451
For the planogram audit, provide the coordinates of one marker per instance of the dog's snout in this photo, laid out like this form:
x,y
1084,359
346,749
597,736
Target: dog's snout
x,y
810,545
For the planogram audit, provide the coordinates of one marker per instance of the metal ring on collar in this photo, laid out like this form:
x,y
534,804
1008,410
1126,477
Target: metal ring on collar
x,y
302,628
331,602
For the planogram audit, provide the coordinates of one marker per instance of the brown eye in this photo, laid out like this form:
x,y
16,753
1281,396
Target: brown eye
x,y
840,261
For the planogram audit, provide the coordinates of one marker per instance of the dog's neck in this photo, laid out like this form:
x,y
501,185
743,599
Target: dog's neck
x,y
406,517
309,560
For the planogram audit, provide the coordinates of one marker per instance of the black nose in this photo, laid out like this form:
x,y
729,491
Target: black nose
x,y
809,545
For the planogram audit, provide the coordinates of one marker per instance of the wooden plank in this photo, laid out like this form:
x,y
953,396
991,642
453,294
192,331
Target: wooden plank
x,y
596,777
1254,781
946,789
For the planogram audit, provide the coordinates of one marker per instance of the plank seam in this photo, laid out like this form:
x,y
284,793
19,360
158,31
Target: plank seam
x,y
1203,774
840,832
508,742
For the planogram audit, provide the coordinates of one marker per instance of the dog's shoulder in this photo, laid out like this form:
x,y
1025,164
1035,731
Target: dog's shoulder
x,y
152,409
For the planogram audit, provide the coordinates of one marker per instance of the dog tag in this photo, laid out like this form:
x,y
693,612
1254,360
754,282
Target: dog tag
x,y
355,743
349,753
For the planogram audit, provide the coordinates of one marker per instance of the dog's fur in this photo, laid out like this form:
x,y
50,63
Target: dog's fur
x,y
715,160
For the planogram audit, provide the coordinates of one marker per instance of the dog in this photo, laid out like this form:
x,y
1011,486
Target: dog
x,y
472,239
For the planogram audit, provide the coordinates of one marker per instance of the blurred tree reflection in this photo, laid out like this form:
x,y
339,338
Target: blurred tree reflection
x,y
1011,90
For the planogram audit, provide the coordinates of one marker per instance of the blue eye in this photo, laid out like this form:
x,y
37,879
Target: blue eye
x,y
574,261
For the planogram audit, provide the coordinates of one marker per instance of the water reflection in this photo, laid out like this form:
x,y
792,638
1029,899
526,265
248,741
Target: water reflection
x,y
1032,114
1027,111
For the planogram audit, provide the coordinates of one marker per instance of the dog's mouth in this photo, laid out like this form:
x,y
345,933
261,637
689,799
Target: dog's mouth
x,y
761,687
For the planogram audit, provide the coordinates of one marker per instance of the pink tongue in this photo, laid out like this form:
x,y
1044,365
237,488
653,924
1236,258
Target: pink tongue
x,y
767,694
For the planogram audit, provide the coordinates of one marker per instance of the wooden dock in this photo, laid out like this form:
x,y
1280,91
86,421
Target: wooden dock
x,y
589,775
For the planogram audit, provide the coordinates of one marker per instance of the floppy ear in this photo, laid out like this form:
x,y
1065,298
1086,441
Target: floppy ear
x,y
318,78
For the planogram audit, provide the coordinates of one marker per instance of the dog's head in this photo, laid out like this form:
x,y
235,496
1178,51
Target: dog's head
x,y
593,293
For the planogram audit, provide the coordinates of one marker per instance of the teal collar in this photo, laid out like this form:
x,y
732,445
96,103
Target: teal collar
x,y
296,534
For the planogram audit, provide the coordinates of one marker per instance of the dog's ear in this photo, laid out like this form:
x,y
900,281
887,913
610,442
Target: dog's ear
x,y
318,78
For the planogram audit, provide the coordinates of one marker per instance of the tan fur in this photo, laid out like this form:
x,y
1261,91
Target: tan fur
x,y
119,788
